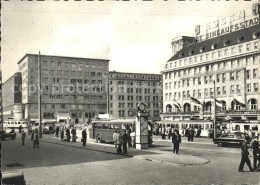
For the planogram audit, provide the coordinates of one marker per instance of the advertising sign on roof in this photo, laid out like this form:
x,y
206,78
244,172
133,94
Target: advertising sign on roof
x,y
237,21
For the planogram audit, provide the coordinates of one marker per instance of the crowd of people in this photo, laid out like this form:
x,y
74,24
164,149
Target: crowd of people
x,y
125,140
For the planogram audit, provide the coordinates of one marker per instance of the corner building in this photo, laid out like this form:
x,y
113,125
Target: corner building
x,y
229,60
127,90
71,88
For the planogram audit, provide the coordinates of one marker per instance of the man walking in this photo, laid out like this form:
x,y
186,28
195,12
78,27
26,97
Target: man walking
x,y
124,139
245,153
84,137
20,128
23,137
73,132
36,141
115,138
256,152
176,140
163,132
57,131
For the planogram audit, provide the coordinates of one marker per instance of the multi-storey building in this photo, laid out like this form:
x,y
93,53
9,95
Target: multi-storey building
x,y
223,63
12,98
71,88
129,89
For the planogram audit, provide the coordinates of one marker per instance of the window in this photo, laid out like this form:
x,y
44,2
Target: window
x,y
239,39
202,49
240,49
218,78
233,63
199,92
238,89
207,56
52,72
219,53
255,87
199,81
211,92
59,72
194,93
59,64
232,89
248,87
206,93
218,91
226,52
238,62
237,75
232,77
254,60
233,50
248,47
247,74
256,45
224,91
248,61
226,42
184,94
255,71
205,80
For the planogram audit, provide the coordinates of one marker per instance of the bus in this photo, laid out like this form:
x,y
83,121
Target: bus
x,y
204,125
102,131
15,124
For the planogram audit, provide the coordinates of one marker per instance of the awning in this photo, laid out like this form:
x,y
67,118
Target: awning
x,y
63,116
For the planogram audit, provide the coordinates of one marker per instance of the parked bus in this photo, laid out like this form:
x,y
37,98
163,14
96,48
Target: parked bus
x,y
15,124
103,131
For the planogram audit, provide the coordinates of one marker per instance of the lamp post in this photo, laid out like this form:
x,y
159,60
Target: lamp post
x,y
39,95
215,115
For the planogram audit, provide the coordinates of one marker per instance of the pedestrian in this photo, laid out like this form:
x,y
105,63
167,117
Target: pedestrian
x,y
245,153
62,134
115,138
119,143
23,137
32,135
169,132
199,132
36,141
160,130
20,128
68,134
132,138
163,132
191,134
73,133
124,140
256,152
176,140
84,137
188,131
128,138
57,131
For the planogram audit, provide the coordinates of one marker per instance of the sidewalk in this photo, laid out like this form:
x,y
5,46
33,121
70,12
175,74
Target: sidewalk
x,y
151,154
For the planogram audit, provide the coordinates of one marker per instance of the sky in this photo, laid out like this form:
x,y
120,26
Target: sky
x,y
135,36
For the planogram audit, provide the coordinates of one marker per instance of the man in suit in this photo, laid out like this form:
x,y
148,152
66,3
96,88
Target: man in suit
x,y
176,140
245,153
256,153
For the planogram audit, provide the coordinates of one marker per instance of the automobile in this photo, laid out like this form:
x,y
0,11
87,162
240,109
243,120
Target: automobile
x,y
48,128
13,178
4,135
234,138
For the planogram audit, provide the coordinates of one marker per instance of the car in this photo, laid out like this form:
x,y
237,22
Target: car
x,y
234,138
13,177
4,135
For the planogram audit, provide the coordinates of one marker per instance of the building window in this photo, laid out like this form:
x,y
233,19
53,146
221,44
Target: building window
x,y
199,92
248,61
255,87
255,71
224,91
219,53
247,74
248,87
202,49
232,89
238,89
207,56
199,81
232,77
226,42
226,52
254,60
233,50
218,91
211,92
248,47
238,62
218,78
194,93
239,39
206,92
240,49
184,94
237,75
256,45
188,94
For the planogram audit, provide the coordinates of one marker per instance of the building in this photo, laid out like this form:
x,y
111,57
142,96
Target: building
x,y
129,89
71,88
12,98
223,62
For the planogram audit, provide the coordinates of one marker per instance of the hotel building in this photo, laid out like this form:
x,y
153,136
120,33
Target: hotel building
x,y
223,62
71,88
127,90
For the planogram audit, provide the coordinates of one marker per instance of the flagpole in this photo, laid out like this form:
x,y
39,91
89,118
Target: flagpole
x,y
215,115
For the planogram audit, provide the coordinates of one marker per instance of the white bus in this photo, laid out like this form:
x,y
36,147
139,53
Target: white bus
x,y
15,124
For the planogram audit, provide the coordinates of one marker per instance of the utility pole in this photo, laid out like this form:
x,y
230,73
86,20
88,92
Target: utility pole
x,y
39,96
108,94
215,115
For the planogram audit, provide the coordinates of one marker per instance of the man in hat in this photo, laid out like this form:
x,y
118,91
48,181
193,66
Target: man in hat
x,y
176,140
245,153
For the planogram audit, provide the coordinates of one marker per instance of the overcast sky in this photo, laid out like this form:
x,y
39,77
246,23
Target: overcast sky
x,y
135,36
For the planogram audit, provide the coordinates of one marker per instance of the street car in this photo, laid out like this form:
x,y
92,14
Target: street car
x,y
4,135
235,138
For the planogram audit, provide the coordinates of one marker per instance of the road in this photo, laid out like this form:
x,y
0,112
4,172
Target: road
x,y
57,162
